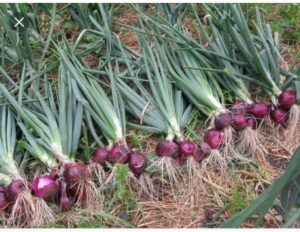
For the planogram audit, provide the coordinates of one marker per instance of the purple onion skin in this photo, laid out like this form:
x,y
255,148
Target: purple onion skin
x,y
223,120
279,115
76,171
259,110
45,187
201,151
137,162
3,197
239,107
119,154
213,138
252,123
187,147
74,175
205,148
101,156
14,188
287,99
239,122
167,148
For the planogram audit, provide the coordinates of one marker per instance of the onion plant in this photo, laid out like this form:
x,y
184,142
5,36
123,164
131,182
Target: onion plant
x,y
160,108
261,64
108,114
201,88
53,139
22,208
262,56
228,72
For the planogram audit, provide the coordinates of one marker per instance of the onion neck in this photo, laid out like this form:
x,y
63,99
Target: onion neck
x,y
175,127
170,135
58,152
118,128
220,111
274,100
5,179
244,97
217,106
10,168
275,90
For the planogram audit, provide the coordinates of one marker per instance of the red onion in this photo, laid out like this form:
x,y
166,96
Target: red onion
x,y
45,187
14,188
3,197
187,147
214,138
205,147
223,120
287,99
259,110
119,154
76,171
279,115
101,156
239,122
239,107
137,162
167,148
201,151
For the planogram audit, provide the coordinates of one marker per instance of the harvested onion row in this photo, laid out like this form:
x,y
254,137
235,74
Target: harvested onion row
x,y
166,112
109,116
267,74
54,141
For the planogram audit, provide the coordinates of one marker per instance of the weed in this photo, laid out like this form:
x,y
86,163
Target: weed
x,y
124,193
137,138
237,202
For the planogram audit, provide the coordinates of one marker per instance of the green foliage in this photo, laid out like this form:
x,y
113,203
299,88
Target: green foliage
x,y
123,192
193,122
138,138
284,18
238,202
90,224
241,199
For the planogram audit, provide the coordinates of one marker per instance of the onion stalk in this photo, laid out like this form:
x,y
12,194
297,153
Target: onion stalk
x,y
262,55
165,111
204,92
107,114
202,84
57,131
16,197
228,73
